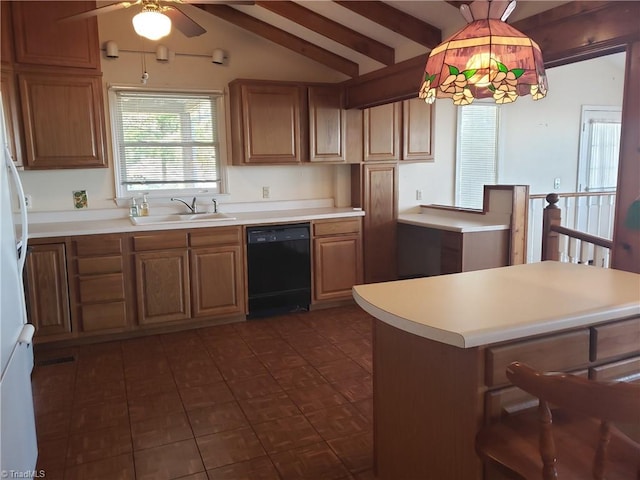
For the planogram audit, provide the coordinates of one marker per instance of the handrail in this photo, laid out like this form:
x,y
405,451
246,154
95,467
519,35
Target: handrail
x,y
551,229
585,237
574,194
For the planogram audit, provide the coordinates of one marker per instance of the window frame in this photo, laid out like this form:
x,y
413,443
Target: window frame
x,y
122,194
499,148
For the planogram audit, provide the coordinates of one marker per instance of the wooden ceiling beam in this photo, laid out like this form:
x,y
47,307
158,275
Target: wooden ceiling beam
x,y
396,20
575,31
285,39
332,30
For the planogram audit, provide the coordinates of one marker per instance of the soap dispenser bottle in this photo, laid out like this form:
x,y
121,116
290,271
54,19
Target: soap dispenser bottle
x,y
133,209
144,208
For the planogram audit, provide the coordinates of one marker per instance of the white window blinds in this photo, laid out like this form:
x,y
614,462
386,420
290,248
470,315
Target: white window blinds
x,y
476,153
166,141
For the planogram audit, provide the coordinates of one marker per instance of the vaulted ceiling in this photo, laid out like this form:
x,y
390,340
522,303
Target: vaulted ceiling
x,y
354,37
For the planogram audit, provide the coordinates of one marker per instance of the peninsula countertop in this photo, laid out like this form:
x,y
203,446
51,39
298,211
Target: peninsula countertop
x,y
488,306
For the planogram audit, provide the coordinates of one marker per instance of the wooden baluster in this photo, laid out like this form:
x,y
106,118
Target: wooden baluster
x,y
601,452
550,240
547,445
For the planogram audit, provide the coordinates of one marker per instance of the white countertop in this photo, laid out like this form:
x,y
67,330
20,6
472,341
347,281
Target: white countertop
x,y
455,222
123,224
489,306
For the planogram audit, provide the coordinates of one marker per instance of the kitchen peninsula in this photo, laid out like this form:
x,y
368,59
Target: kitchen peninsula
x,y
441,345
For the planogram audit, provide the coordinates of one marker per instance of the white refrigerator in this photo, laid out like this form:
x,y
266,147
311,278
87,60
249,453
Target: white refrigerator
x,y
18,445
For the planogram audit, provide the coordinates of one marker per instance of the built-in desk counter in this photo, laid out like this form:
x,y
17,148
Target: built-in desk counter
x,y
441,345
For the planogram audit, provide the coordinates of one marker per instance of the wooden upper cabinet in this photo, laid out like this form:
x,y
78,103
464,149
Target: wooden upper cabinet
x,y
8,97
327,124
266,123
63,120
41,39
417,130
6,34
382,132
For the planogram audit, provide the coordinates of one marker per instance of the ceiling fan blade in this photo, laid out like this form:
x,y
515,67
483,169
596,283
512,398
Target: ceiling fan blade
x,y
100,10
183,22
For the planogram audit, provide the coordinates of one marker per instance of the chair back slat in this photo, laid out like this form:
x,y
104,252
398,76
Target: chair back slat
x,y
616,402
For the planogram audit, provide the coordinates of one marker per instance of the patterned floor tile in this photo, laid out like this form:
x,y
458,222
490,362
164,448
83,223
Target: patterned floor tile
x,y
217,418
168,461
260,468
286,433
163,430
94,445
269,407
205,395
226,448
316,461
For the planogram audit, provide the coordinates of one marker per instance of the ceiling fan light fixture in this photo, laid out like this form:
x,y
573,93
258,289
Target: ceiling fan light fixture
x,y
152,24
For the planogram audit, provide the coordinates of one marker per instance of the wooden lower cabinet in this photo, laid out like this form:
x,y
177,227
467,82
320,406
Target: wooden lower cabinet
x,y
216,281
162,282
103,298
337,258
48,291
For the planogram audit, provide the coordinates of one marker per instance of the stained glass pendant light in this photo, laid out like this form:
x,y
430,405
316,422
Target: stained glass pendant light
x,y
486,59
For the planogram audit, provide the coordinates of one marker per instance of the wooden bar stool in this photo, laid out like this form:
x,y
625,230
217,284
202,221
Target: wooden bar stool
x,y
571,435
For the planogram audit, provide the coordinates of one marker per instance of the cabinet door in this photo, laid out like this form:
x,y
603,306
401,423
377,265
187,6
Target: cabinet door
x,y
337,266
327,123
162,280
48,290
11,118
63,120
216,281
379,202
41,39
382,133
267,123
6,34
417,130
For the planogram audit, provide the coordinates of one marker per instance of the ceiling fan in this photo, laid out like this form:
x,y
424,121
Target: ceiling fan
x,y
156,16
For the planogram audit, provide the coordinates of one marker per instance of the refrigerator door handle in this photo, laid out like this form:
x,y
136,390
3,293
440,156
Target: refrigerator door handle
x,y
23,210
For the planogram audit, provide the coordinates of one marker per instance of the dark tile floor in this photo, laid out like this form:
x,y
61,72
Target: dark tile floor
x,y
286,397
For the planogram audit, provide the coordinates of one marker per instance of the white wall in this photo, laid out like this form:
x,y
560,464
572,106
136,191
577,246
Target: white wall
x,y
539,140
249,57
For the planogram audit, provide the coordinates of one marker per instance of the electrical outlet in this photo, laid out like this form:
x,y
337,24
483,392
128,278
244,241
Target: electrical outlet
x,y
418,194
28,201
556,183
266,192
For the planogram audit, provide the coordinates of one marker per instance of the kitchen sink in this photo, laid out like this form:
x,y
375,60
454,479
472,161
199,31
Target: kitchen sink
x,y
180,217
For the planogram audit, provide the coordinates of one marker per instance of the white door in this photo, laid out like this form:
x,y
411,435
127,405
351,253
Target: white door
x,y
599,148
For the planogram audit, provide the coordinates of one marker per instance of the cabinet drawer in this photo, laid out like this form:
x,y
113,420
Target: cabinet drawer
x,y
625,370
615,339
561,352
160,240
103,316
336,227
92,266
216,236
98,245
102,288
511,400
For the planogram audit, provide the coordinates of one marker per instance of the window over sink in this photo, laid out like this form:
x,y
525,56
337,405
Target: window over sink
x,y
167,142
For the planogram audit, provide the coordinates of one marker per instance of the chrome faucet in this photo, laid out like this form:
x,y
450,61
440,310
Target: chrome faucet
x,y
215,205
193,208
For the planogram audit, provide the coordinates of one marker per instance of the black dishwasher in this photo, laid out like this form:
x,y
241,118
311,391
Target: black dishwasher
x,y
279,269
